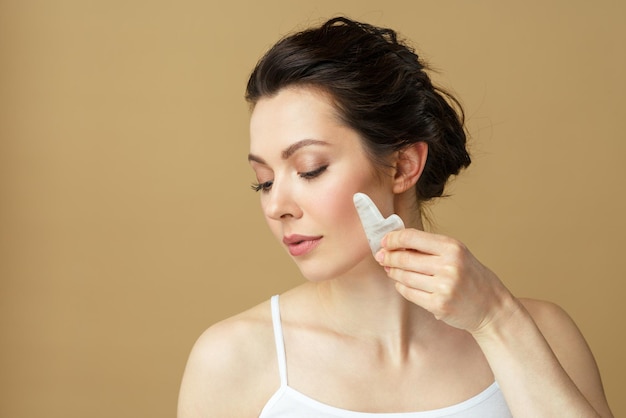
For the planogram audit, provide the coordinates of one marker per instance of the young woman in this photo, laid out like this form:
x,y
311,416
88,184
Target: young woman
x,y
421,329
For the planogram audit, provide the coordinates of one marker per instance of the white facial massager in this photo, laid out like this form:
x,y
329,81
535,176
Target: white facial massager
x,y
375,225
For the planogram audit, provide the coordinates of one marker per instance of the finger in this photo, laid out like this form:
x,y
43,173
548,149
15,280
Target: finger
x,y
415,239
426,300
408,260
417,296
422,282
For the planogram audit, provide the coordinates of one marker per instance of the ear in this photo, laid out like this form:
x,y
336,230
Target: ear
x,y
409,166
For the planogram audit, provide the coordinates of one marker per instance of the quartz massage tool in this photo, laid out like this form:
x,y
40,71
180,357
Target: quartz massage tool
x,y
375,225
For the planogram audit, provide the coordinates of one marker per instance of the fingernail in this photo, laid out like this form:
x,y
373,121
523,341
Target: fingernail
x,y
380,256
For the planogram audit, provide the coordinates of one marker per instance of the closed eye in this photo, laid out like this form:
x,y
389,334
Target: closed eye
x,y
308,175
262,187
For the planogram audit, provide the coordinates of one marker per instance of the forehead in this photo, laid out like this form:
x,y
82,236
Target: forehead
x,y
291,115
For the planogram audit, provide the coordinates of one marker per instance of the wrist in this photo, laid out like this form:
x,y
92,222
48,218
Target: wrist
x,y
508,315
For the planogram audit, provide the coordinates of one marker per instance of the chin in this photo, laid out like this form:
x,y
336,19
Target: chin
x,y
329,269
315,271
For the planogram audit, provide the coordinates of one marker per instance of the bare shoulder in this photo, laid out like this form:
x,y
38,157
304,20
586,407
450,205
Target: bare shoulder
x,y
570,347
232,360
559,330
549,316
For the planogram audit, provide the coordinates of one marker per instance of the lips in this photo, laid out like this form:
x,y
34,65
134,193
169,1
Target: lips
x,y
299,245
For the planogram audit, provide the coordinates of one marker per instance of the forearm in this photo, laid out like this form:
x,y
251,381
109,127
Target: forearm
x,y
531,378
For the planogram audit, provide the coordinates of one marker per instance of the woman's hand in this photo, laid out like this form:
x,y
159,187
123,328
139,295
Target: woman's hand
x,y
442,276
551,374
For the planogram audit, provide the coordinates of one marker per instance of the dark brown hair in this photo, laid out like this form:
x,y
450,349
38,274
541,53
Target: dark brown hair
x,y
380,88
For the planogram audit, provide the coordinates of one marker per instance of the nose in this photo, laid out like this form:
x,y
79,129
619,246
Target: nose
x,y
281,203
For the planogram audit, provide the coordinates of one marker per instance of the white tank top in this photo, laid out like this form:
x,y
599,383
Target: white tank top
x,y
287,402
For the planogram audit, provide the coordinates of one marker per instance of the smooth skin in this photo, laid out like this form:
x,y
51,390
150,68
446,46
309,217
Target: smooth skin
x,y
423,326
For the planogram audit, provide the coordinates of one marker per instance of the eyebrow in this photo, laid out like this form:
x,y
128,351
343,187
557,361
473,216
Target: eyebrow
x,y
290,150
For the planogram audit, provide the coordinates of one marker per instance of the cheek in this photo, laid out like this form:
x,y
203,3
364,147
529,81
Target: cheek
x,y
334,206
340,221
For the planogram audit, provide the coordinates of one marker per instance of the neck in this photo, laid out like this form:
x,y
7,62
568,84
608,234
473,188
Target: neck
x,y
409,210
377,315
365,304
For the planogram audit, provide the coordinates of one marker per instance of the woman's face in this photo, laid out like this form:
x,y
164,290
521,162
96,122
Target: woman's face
x,y
308,166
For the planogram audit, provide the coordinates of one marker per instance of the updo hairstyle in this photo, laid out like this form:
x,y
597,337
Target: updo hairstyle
x,y
380,89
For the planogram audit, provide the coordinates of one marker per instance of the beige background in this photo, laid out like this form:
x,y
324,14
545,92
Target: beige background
x,y
127,225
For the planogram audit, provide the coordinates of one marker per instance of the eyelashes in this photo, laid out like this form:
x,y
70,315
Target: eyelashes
x,y
307,175
266,186
314,173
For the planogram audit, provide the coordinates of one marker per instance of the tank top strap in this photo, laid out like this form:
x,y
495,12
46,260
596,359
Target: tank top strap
x,y
279,340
